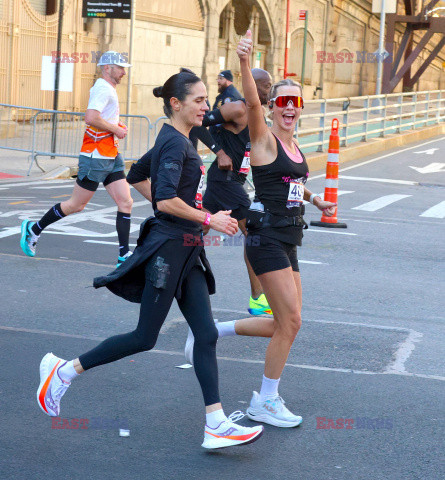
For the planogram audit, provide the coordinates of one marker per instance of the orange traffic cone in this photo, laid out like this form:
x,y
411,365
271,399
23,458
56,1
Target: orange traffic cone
x,y
331,188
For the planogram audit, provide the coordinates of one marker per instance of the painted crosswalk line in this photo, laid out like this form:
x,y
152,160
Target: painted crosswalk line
x,y
437,211
380,202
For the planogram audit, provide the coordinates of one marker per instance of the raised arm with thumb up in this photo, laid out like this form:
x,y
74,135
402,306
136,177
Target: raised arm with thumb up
x,y
244,48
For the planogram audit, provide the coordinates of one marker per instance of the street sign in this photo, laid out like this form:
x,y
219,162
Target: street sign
x,y
381,56
101,9
302,15
390,6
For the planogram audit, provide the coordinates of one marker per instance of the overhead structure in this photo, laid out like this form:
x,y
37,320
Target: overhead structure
x,y
425,21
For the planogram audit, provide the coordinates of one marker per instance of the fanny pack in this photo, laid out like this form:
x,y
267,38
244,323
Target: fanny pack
x,y
257,219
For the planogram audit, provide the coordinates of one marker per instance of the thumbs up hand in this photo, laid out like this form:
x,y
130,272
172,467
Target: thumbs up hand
x,y
244,48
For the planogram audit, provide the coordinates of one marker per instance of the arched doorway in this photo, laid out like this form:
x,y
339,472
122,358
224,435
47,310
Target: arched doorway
x,y
235,19
296,55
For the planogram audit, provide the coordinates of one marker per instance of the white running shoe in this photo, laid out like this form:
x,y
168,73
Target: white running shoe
x,y
189,344
229,434
52,387
272,411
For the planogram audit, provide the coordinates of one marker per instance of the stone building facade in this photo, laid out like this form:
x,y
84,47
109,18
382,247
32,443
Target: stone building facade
x,y
201,35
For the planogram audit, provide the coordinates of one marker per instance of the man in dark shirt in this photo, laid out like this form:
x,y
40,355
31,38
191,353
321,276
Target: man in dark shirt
x,y
226,89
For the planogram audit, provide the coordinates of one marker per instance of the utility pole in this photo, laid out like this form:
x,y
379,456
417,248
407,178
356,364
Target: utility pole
x,y
57,77
378,89
130,56
303,66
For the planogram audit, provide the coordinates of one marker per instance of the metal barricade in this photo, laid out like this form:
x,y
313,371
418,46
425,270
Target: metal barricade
x,y
368,116
16,127
60,134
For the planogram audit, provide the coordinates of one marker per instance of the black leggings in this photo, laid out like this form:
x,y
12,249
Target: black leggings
x,y
155,305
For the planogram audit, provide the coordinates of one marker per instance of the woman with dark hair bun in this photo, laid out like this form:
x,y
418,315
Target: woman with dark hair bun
x,y
169,262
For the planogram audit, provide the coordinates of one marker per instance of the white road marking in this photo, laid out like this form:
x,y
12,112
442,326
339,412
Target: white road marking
x,y
438,211
403,353
367,221
380,202
431,168
240,360
429,151
108,243
22,214
311,262
380,158
382,180
37,182
14,198
69,185
329,230
57,229
10,231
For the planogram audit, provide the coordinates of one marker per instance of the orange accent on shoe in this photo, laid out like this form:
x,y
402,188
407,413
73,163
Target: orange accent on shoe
x,y
45,387
233,437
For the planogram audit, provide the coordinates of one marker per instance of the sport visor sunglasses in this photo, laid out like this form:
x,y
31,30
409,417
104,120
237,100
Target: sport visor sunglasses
x,y
284,100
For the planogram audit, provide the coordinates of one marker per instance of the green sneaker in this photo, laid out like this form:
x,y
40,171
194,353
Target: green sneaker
x,y
260,306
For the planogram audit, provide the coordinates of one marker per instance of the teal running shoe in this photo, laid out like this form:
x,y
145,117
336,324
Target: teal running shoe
x,y
121,260
28,240
259,306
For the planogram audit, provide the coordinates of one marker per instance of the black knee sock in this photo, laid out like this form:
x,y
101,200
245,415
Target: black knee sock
x,y
123,221
52,215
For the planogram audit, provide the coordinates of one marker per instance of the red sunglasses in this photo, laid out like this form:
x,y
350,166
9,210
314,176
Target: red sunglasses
x,y
284,100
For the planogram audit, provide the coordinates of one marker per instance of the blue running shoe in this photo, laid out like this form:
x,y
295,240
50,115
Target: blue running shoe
x,y
28,240
121,260
259,306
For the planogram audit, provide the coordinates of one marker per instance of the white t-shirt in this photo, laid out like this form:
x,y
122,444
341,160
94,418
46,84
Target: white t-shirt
x,y
104,99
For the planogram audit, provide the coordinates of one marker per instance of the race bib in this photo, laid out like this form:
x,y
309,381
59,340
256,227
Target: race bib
x,y
198,196
296,194
245,165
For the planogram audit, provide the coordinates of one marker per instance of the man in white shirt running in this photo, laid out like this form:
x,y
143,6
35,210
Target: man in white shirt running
x,y
99,161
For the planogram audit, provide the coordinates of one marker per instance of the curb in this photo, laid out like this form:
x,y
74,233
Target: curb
x,y
56,173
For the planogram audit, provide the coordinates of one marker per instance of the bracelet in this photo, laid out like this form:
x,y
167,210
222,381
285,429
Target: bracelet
x,y
207,220
311,198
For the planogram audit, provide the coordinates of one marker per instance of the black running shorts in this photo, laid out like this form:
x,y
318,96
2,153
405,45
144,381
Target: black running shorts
x,y
267,254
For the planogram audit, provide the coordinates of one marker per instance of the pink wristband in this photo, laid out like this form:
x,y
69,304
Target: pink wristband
x,y
207,220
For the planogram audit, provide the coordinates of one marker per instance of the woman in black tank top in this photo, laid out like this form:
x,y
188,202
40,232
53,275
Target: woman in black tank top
x,y
275,228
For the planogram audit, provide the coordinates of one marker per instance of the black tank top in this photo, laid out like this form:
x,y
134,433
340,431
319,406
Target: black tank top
x,y
277,184
279,188
237,147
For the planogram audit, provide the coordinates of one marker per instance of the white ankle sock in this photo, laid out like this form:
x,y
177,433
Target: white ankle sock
x,y
67,372
226,329
269,388
214,419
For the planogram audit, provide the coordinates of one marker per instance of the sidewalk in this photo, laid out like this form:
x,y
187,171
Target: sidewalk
x,y
15,164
